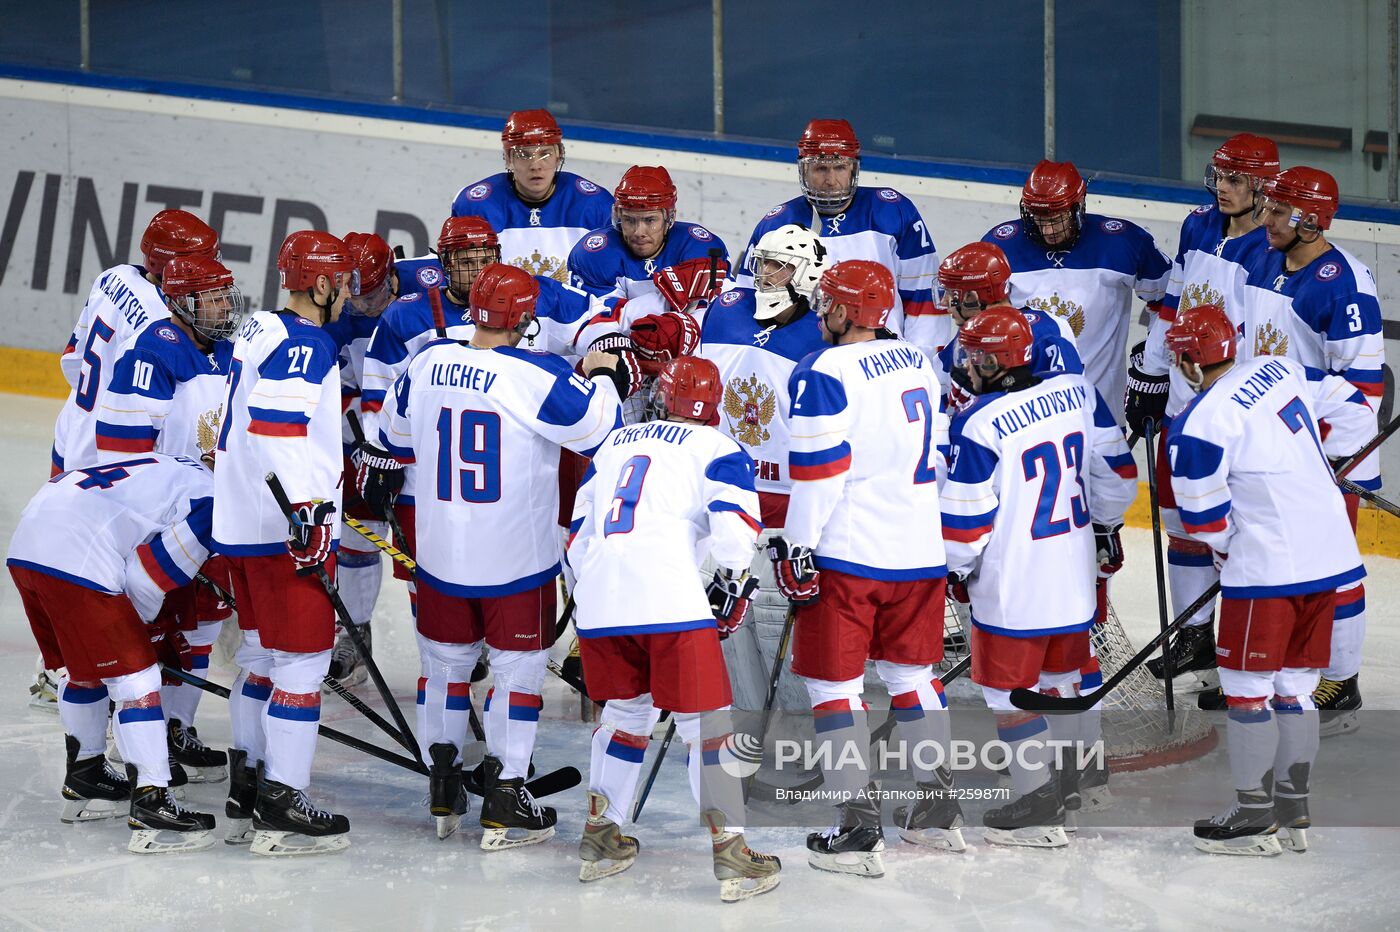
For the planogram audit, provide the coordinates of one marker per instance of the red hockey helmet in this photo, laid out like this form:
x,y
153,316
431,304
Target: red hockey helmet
x,y
1245,154
502,295
372,257
531,128
466,233
174,233
825,143
997,339
1053,190
1202,334
308,254
828,137
1305,191
864,288
979,269
645,187
690,387
200,290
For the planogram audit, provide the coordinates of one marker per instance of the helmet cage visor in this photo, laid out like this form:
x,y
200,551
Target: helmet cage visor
x,y
213,313
814,170
464,263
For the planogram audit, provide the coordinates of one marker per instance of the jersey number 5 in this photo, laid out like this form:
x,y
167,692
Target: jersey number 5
x,y
87,387
1043,460
622,511
479,450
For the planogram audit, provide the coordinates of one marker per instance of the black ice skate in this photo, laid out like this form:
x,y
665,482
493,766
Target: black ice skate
x,y
1337,702
1248,827
853,844
742,873
201,763
242,794
160,825
1193,659
1036,820
1093,786
92,788
1212,700
1291,808
285,822
347,666
603,849
509,813
447,798
936,820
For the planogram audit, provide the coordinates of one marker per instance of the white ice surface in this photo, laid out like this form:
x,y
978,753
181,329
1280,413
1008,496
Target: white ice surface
x,y
398,876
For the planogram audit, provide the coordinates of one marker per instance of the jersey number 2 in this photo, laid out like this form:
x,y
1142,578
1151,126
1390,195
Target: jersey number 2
x,y
917,406
479,449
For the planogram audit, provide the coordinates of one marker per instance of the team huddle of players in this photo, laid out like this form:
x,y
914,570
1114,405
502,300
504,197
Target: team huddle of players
x,y
844,429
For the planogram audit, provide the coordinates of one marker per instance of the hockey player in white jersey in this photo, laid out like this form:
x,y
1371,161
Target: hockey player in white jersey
x,y
756,336
1214,252
644,237
1312,301
878,224
358,573
862,559
1035,461
167,395
1083,267
485,419
1249,467
655,493
93,556
538,210
282,418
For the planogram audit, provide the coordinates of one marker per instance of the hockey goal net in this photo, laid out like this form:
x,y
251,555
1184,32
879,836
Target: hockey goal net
x,y
1138,733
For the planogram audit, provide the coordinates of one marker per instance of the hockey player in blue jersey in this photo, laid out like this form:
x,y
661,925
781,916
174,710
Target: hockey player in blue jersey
x,y
1083,267
537,209
878,224
644,237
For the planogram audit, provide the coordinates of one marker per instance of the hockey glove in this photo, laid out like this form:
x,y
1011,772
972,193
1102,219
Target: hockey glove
x,y
659,338
378,478
796,571
957,588
170,645
961,394
1109,547
1146,394
309,539
730,597
687,283
626,373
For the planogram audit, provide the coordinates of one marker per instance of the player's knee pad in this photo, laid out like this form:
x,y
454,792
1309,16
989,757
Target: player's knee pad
x,y
454,661
1063,684
251,656
1297,681
520,671
1242,684
635,716
134,686
824,691
900,678
998,700
299,673
688,725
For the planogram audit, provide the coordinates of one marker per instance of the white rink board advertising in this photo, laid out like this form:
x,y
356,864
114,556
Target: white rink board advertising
x,y
90,166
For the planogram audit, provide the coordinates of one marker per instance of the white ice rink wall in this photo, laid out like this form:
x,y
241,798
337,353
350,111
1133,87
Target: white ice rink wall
x,y
82,169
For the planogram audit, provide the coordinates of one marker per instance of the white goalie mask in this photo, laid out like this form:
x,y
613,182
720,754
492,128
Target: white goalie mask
x,y
786,264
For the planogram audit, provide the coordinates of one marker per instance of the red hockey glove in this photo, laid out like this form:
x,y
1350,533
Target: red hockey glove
x,y
957,588
309,539
1110,548
796,571
659,338
730,597
169,643
693,280
208,605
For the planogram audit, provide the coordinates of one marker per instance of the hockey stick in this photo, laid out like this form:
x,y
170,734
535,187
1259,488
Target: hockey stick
x,y
1031,700
406,734
1149,431
328,681
395,554
429,278
655,769
1351,488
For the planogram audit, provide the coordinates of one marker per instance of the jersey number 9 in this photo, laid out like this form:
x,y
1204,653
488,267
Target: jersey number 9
x,y
622,511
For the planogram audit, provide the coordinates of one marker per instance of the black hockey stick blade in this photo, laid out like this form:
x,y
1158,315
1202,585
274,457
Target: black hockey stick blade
x,y
556,781
655,769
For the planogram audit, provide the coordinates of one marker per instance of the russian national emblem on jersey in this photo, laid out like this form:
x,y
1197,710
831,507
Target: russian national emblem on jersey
x,y
549,266
750,405
1061,307
1269,340
206,431
1198,293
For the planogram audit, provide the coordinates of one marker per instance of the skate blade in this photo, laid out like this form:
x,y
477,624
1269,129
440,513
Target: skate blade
x,y
162,841
1259,846
1343,723
1031,836
940,839
1294,839
1072,821
1096,799
44,703
590,871
855,863
275,844
240,832
91,810
499,839
734,889
215,774
447,825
